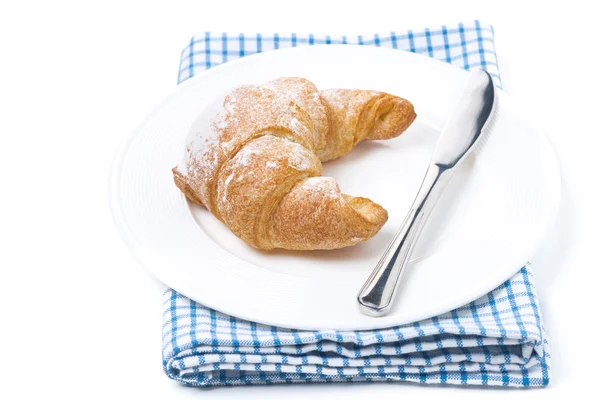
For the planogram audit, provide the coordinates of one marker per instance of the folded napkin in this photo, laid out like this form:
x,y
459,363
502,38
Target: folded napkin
x,y
497,340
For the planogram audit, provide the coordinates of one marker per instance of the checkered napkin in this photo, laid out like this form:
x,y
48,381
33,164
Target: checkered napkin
x,y
497,340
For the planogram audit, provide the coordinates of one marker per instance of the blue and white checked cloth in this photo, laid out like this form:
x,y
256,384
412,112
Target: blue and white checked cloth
x,y
497,340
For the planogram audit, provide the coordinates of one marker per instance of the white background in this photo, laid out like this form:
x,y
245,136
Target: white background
x,y
82,320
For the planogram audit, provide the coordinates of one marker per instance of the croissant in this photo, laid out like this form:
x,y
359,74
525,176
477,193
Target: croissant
x,y
254,158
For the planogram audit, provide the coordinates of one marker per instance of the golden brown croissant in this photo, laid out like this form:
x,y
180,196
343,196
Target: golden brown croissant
x,y
254,160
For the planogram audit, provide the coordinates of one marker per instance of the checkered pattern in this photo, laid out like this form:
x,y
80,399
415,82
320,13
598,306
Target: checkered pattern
x,y
464,45
497,340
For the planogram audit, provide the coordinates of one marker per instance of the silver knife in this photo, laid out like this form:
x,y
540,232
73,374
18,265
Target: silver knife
x,y
461,133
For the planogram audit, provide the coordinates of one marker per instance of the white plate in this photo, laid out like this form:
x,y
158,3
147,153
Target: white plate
x,y
489,222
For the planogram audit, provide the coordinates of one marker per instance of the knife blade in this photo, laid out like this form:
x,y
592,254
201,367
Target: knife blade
x,y
471,117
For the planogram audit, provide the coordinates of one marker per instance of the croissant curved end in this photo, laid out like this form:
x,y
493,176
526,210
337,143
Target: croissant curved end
x,y
372,212
393,115
181,183
316,215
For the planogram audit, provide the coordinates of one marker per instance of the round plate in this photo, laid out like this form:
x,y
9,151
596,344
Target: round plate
x,y
485,227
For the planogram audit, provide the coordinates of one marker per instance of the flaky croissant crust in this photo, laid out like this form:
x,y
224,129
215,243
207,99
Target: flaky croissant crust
x,y
254,160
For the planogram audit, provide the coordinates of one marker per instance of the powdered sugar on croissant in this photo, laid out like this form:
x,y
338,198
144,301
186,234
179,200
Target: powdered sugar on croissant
x,y
254,160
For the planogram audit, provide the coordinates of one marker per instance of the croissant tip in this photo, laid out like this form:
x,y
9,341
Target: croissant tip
x,y
368,210
183,185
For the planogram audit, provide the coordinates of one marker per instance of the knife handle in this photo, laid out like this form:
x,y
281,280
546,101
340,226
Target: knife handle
x,y
377,294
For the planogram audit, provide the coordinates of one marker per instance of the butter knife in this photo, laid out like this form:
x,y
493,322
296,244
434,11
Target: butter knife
x,y
458,137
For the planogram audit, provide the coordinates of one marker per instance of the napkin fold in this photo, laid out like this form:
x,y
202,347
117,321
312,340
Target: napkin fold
x,y
497,340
